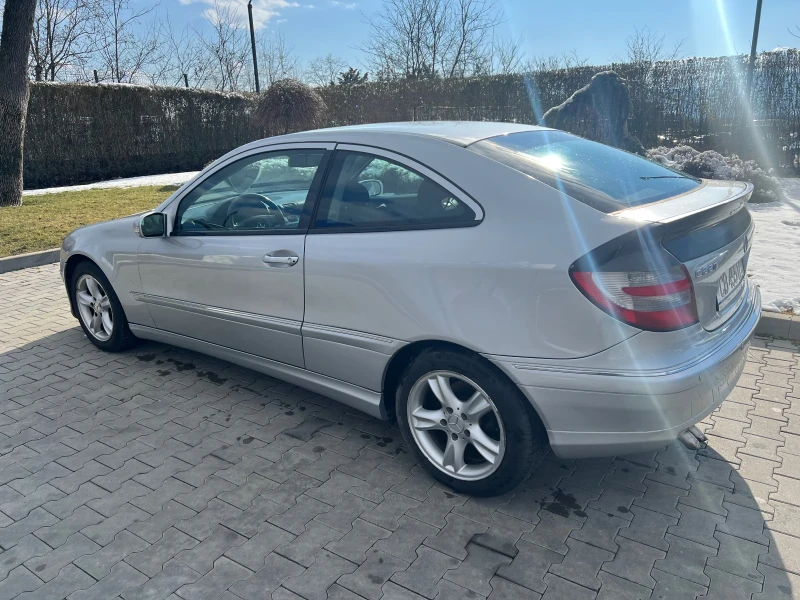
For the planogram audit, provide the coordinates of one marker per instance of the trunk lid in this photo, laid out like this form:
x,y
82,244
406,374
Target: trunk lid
x,y
709,230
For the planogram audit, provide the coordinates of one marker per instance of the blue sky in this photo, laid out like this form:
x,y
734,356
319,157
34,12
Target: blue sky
x,y
595,29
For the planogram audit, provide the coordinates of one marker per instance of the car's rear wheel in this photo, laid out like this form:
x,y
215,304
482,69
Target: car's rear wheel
x,y
467,424
99,311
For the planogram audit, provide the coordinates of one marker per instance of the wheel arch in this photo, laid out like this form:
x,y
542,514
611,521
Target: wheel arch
x,y
69,268
405,355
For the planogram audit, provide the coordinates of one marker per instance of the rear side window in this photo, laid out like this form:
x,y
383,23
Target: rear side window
x,y
368,192
603,177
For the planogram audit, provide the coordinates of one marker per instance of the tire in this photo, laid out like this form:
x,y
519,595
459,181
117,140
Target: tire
x,y
120,336
517,440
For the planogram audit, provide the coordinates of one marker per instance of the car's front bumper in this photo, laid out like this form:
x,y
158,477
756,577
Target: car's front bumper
x,y
603,412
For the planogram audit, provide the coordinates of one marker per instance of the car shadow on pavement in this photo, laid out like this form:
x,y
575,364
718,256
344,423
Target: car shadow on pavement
x,y
720,522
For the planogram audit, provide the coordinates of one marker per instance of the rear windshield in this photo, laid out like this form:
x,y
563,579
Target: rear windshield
x,y
603,177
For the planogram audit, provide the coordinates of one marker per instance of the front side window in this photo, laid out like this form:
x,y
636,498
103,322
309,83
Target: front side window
x,y
603,177
257,194
365,191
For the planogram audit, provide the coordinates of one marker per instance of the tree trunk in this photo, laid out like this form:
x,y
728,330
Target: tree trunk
x,y
15,42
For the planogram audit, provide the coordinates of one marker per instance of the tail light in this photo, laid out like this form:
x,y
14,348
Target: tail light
x,y
638,283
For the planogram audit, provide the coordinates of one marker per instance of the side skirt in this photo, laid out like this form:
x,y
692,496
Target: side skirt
x,y
351,395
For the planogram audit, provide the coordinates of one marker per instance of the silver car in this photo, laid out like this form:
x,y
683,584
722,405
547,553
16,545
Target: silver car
x,y
497,289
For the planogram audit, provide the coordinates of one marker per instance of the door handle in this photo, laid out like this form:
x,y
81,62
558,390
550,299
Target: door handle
x,y
288,261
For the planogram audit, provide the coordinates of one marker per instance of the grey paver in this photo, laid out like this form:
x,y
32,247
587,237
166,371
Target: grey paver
x,y
600,529
36,519
453,538
368,580
153,528
121,578
19,580
725,586
172,577
201,557
99,564
552,531
649,527
562,589
686,559
677,588
224,574
151,560
324,502
634,562
27,549
304,548
424,573
252,552
354,545
528,568
47,567
70,579
405,540
266,581
616,588
582,563
313,583
738,557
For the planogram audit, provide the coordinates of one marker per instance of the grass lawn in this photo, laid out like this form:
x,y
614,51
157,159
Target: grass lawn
x,y
42,221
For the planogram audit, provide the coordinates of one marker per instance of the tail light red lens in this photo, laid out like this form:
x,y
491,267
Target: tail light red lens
x,y
660,300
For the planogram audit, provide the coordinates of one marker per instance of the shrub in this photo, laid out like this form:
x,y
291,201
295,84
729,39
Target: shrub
x,y
288,106
713,165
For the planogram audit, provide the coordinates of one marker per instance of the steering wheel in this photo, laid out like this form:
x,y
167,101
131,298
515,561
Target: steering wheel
x,y
241,212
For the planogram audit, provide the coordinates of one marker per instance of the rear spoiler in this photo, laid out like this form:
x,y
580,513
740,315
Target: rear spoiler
x,y
722,198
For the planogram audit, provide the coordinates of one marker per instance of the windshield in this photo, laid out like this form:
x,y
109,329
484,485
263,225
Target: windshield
x,y
603,177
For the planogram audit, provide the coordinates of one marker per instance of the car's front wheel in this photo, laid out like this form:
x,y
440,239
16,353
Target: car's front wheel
x,y
99,311
467,425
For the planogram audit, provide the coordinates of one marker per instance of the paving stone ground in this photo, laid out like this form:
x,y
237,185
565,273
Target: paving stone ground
x,y
160,473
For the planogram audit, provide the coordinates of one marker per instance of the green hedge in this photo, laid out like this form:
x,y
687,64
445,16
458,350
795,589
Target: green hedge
x,y
78,133
85,132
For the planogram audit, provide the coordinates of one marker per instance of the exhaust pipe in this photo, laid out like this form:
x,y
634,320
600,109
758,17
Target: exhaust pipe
x,y
696,432
689,440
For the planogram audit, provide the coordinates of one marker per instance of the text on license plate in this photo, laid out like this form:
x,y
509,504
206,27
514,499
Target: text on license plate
x,y
730,280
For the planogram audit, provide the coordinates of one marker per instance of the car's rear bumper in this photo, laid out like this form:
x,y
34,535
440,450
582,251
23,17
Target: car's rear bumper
x,y
600,412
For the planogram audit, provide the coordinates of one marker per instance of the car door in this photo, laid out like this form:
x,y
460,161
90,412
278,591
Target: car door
x,y
230,269
379,255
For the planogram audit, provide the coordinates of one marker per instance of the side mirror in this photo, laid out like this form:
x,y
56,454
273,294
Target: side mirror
x,y
152,225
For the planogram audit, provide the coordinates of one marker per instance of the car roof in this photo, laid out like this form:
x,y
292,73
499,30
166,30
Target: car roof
x,y
461,133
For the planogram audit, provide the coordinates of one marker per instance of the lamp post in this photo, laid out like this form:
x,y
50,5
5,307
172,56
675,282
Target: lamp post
x,y
750,65
253,42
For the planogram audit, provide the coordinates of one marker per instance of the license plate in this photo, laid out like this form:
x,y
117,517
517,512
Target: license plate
x,y
730,280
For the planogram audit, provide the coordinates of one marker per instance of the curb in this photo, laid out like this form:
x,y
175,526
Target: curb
x,y
779,325
32,259
774,324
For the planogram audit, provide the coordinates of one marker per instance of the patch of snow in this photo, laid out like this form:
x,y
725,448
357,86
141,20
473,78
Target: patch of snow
x,y
775,258
165,179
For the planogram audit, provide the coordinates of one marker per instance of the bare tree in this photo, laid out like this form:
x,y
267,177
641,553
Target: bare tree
x,y
277,58
15,42
126,44
228,46
324,70
184,54
646,47
567,60
431,38
507,56
61,37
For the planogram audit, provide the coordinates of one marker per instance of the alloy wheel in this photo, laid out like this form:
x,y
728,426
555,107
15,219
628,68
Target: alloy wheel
x,y
456,425
94,307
